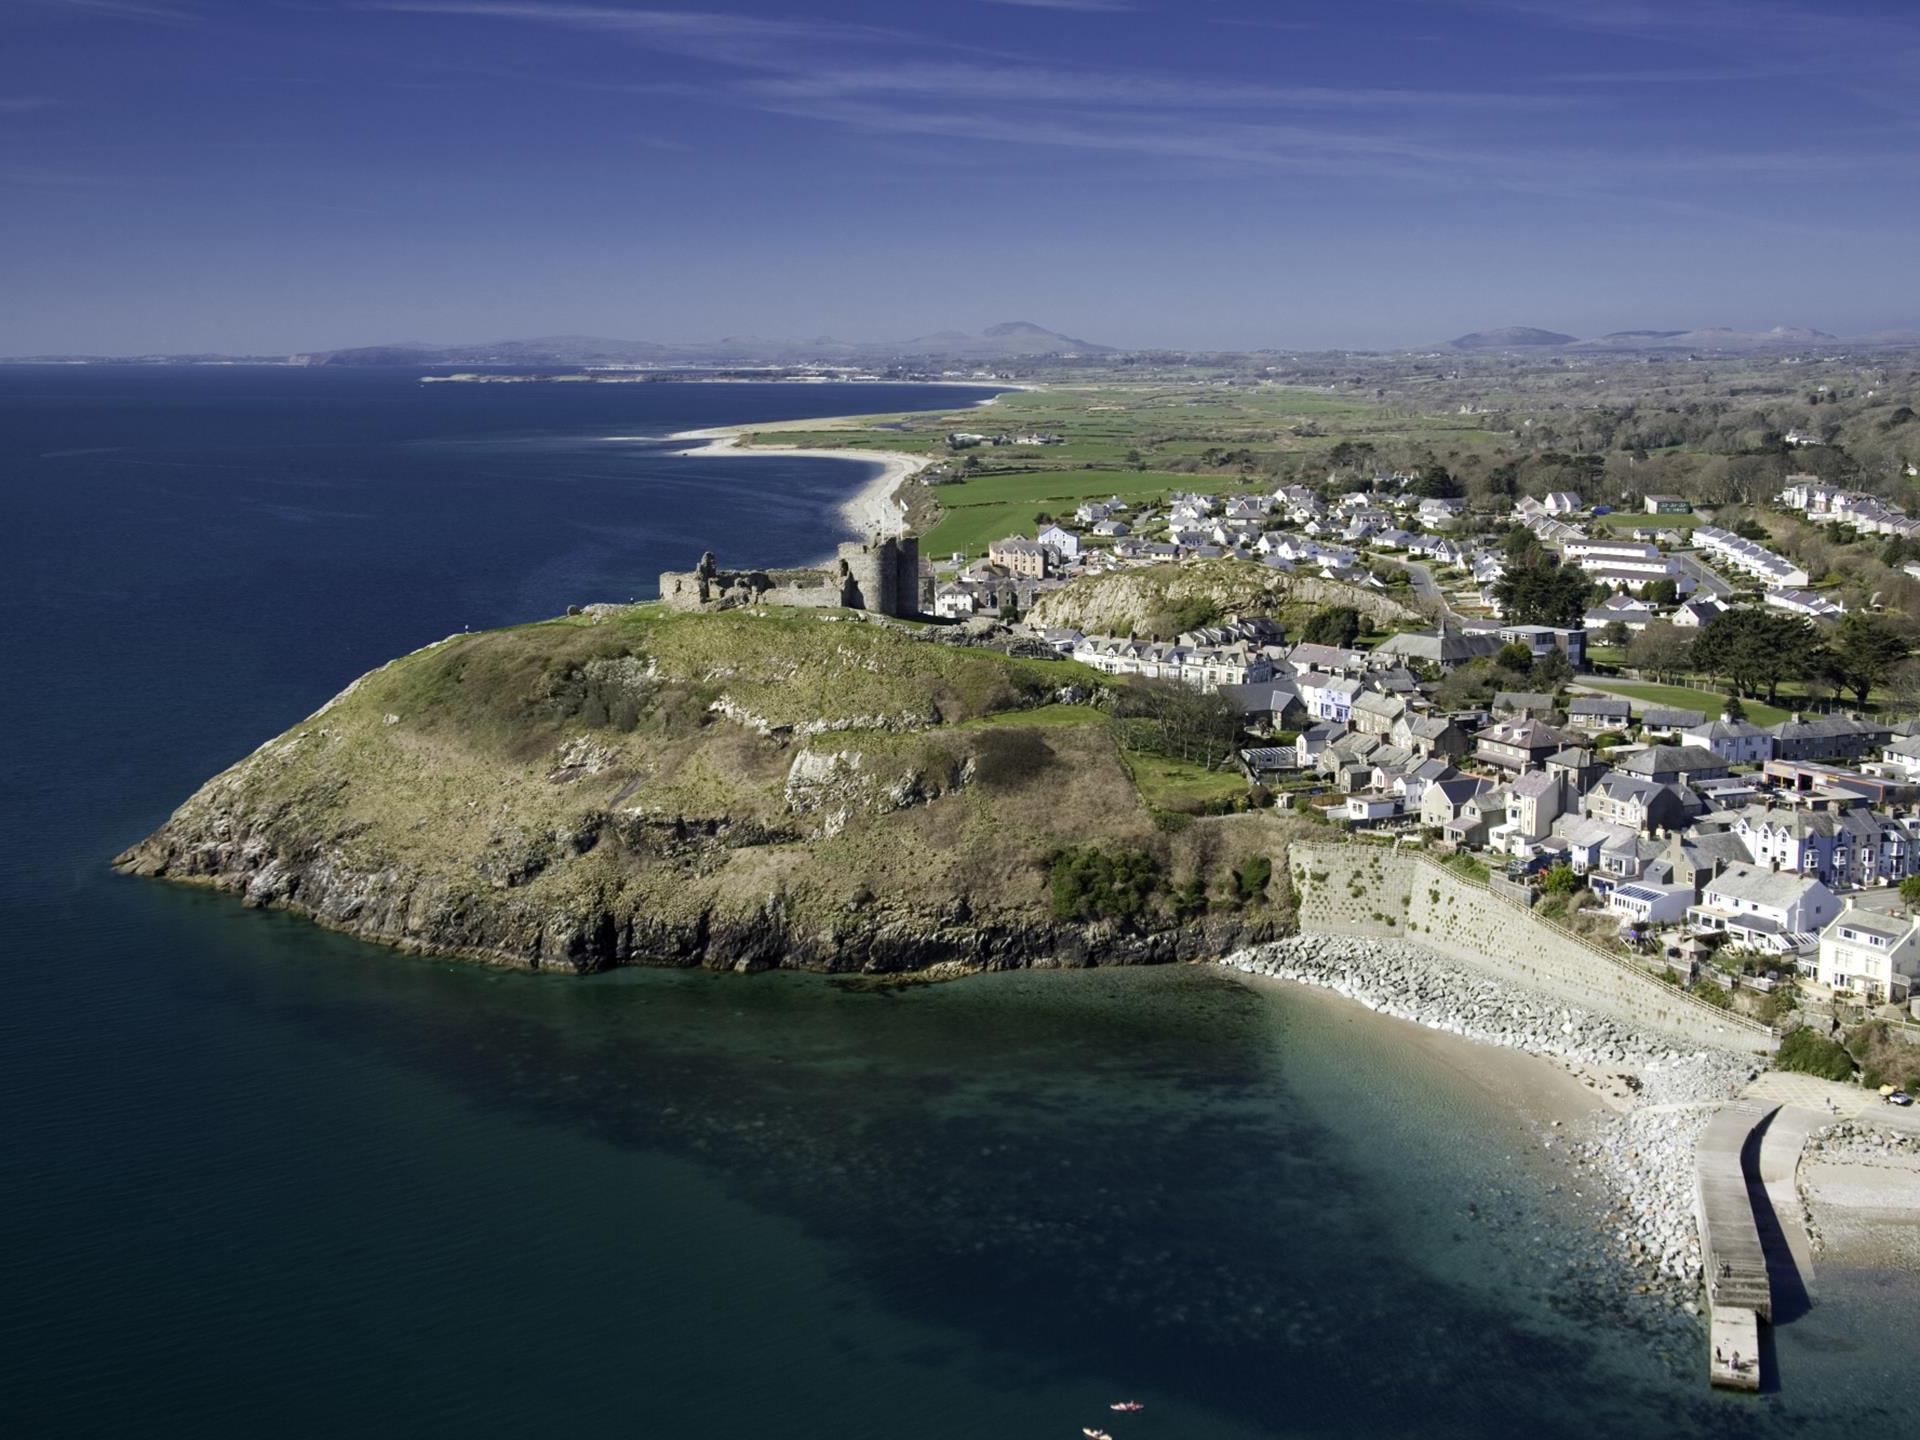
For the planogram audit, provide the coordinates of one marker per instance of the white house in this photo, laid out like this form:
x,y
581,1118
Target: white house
x,y
1764,909
1642,902
1063,543
1810,604
1561,502
1735,741
1748,556
1873,956
1698,611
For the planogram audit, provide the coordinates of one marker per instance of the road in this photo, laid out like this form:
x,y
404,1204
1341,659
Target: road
x,y
1709,583
1426,587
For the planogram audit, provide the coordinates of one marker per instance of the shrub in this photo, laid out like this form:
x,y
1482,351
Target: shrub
x,y
1560,880
1811,1053
1712,993
1088,883
1251,879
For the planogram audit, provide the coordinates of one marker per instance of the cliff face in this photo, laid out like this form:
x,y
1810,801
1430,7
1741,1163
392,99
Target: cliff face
x,y
737,791
1154,600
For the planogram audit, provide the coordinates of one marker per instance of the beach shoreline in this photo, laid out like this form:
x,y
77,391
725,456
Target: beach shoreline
x,y
870,510
873,509
1860,1188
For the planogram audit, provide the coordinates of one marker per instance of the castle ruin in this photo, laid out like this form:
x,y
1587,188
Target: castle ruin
x,y
881,574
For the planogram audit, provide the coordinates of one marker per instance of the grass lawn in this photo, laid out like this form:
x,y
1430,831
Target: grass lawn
x,y
1707,702
1044,717
1620,520
1175,785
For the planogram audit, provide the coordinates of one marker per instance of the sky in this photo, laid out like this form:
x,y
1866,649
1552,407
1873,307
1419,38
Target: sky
x,y
270,176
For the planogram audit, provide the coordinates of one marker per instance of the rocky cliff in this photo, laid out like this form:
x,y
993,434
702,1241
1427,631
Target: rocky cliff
x,y
1162,600
745,790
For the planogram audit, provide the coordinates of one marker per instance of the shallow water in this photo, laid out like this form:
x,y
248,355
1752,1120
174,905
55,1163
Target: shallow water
x,y
265,1179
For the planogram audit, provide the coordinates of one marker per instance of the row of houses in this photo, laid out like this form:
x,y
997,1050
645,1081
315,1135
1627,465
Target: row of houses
x,y
1749,557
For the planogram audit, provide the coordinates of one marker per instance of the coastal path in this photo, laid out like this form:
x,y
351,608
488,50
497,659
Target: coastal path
x,y
1831,1100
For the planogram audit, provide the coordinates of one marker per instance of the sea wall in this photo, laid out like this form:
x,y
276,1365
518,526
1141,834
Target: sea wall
x,y
1371,890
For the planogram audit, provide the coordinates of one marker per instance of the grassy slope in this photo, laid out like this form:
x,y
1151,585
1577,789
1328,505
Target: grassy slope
x,y
451,764
1680,696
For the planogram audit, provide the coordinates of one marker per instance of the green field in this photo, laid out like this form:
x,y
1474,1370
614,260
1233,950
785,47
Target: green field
x,y
1707,702
1633,520
990,507
1138,443
1176,785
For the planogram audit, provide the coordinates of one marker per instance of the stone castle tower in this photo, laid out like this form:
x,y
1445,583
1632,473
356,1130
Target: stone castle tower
x,y
880,574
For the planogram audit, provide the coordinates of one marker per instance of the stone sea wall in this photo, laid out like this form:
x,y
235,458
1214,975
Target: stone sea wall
x,y
1369,890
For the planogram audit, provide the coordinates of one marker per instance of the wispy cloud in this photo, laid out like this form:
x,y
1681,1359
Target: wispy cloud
x,y
1086,6
119,9
883,82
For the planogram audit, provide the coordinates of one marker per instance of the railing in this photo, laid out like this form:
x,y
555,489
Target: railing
x,y
1739,1022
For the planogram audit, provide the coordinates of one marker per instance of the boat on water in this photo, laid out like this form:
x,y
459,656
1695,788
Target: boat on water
x,y
1127,1405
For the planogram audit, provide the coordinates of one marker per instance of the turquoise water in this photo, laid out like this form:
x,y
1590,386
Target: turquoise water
x,y
263,1179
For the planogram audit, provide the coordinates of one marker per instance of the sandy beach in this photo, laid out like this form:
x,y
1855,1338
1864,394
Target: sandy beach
x,y
870,510
1547,1092
873,508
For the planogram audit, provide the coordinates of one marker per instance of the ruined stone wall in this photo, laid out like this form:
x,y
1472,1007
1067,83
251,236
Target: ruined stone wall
x,y
879,575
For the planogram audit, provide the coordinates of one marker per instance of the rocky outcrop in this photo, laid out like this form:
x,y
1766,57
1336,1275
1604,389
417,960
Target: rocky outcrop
x,y
502,922
1148,601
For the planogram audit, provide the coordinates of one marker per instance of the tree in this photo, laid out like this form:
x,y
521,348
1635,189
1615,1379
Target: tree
x,y
1663,592
1178,721
1436,482
1336,625
1515,655
1536,589
1903,688
1755,650
1734,709
1910,892
1664,652
1865,650
1560,879
1615,634
1551,671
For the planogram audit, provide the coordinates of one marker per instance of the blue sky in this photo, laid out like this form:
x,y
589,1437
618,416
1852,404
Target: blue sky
x,y
291,174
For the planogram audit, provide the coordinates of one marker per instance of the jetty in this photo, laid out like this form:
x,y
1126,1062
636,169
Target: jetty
x,y
1739,1291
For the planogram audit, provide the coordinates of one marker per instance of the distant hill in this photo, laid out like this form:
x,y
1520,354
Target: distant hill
x,y
1012,339
1513,337
1713,337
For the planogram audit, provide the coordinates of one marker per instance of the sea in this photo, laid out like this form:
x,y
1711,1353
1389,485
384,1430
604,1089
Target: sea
x,y
260,1179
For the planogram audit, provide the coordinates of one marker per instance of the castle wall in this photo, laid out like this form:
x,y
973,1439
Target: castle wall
x,y
881,576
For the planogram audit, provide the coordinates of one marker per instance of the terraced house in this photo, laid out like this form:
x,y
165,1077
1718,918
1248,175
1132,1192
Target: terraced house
x,y
1848,847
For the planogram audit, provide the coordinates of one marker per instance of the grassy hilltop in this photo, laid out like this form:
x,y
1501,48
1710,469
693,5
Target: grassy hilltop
x,y
730,789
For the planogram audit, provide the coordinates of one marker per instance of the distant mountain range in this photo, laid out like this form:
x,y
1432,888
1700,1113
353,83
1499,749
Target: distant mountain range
x,y
1009,341
1012,339
1716,338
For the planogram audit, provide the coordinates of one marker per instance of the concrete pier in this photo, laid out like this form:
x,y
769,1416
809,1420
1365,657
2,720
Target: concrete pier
x,y
1739,1294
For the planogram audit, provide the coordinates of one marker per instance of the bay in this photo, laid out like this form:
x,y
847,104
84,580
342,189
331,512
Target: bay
x,y
263,1179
